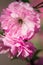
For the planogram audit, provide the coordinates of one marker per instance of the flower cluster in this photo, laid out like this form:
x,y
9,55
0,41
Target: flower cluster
x,y
20,23
17,48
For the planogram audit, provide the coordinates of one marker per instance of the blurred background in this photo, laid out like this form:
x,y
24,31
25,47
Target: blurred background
x,y
37,39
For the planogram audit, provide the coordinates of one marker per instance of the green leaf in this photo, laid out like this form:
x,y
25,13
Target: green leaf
x,y
25,0
27,59
1,32
38,51
35,57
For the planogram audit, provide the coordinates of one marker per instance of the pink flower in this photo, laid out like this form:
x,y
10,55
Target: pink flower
x,y
3,49
17,48
19,20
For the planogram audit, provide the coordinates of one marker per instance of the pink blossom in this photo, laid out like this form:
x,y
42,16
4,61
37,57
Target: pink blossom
x,y
3,49
19,20
17,48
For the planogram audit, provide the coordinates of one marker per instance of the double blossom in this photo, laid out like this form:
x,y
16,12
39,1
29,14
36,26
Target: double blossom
x,y
19,22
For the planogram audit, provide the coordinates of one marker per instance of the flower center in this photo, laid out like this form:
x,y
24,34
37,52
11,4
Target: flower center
x,y
20,21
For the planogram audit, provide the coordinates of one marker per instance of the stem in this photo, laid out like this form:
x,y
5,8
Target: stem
x,y
18,0
32,62
38,5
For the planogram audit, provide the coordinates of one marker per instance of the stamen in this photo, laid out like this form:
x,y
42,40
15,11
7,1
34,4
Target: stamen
x,y
20,21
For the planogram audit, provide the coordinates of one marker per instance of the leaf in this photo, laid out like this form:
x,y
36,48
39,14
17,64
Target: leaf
x,y
35,57
25,0
1,32
36,53
27,59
